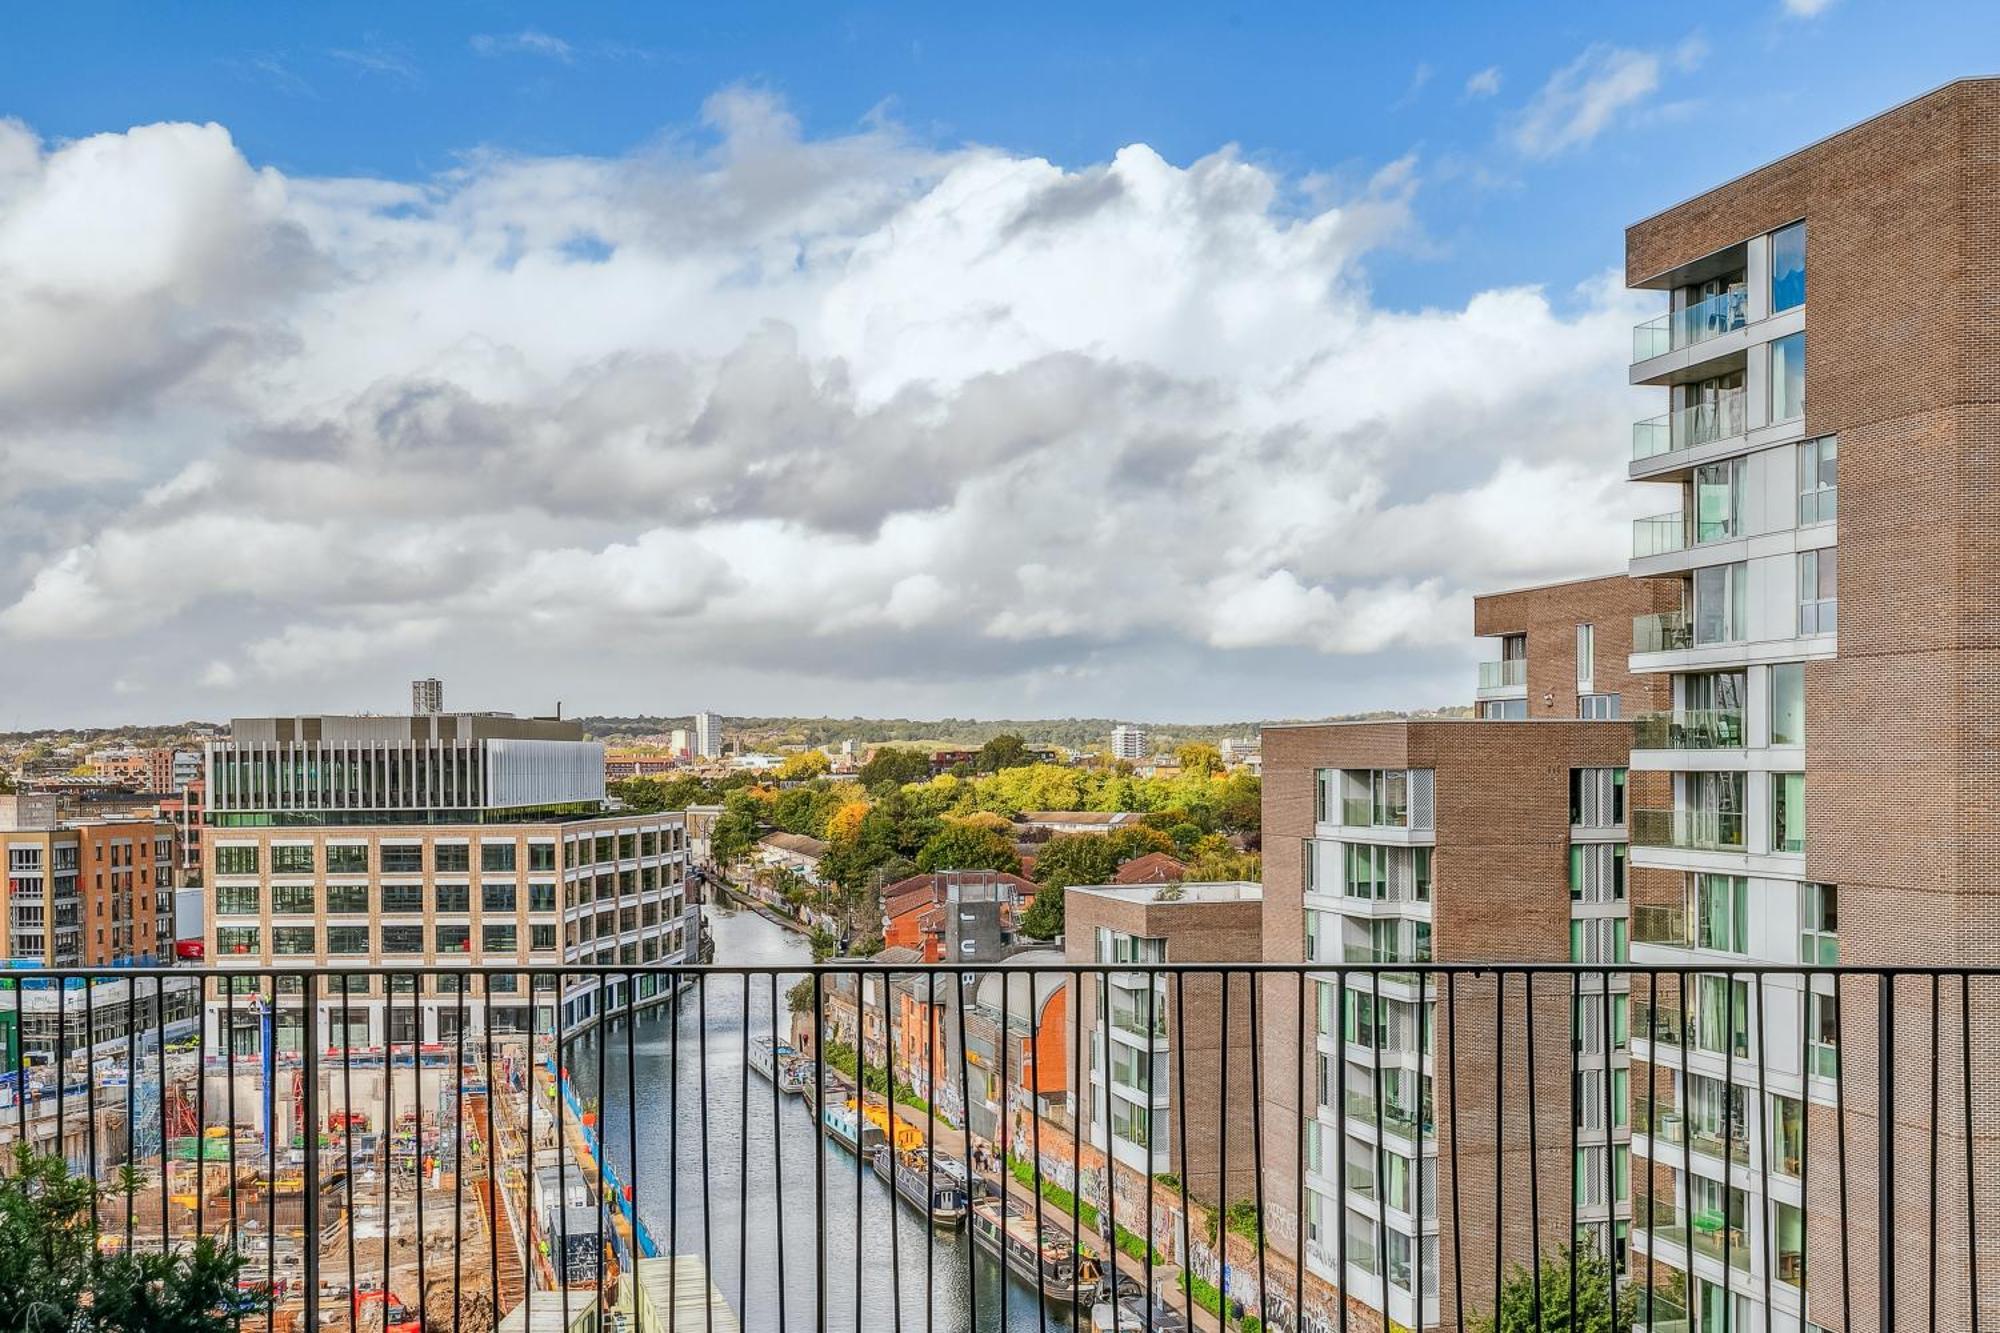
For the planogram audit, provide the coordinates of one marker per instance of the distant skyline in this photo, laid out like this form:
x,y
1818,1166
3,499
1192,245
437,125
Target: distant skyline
x,y
852,361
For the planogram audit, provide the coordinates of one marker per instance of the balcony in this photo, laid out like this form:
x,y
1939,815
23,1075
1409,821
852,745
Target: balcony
x,y
1691,729
1507,674
1719,314
1662,534
1713,1236
1689,830
1719,418
1662,632
1666,926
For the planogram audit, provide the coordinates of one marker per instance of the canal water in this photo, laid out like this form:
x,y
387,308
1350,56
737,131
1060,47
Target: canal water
x,y
747,1212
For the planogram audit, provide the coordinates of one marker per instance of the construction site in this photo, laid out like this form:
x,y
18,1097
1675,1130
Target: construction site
x,y
435,1206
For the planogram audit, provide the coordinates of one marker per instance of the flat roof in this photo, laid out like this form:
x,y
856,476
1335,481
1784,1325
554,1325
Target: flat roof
x,y
1191,891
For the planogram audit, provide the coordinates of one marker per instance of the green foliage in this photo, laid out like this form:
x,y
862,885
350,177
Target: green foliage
x,y
1242,1219
1003,751
895,765
1198,757
1044,918
737,828
1076,858
53,1280
966,847
650,795
1210,1299
1593,1299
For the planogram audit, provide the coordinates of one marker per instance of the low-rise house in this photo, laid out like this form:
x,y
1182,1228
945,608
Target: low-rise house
x,y
795,852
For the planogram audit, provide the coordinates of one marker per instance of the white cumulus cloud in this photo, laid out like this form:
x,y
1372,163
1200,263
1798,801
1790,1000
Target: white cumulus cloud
x,y
858,420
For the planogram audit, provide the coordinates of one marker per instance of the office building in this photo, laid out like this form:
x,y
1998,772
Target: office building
x,y
1822,787
1153,1085
1128,743
451,838
707,736
426,696
1500,838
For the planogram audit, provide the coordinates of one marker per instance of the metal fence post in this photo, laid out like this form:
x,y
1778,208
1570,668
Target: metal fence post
x,y
1885,1154
309,1040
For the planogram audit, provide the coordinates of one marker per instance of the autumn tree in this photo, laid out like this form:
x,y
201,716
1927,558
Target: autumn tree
x,y
961,846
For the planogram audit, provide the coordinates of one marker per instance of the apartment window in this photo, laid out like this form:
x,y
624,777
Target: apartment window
x,y
346,898
1819,480
1718,500
1366,871
1323,795
347,939
1788,812
452,856
496,856
1586,657
292,860
1597,940
235,860
1594,707
605,851
402,939
1597,797
541,936
541,856
498,939
541,897
1420,873
1722,913
1788,1134
402,898
1819,924
295,899
1503,710
292,940
347,859
1788,378
237,939
1788,704
453,898
454,939
1722,1006
1788,267
236,899
402,858
496,897
1718,603
1596,872
1819,591
1823,1033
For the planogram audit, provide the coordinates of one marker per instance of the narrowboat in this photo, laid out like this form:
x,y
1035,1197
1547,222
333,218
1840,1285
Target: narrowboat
x,y
937,1188
1063,1270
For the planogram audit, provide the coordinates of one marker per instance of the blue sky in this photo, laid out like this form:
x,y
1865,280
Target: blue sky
x,y
403,90
1166,362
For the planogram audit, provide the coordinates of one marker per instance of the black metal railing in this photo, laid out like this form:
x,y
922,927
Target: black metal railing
x,y
907,1147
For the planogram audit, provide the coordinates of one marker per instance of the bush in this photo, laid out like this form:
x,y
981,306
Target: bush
x,y
53,1280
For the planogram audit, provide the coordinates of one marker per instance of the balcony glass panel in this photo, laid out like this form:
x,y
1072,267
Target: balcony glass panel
x,y
1692,729
1695,830
1499,675
1720,417
1696,323
1658,535
1664,632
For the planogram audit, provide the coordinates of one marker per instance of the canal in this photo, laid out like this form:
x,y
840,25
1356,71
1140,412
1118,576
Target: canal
x,y
761,1181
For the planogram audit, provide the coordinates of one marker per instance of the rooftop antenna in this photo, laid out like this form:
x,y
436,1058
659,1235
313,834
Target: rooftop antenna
x,y
558,710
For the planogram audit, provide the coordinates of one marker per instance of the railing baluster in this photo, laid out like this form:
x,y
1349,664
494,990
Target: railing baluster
x,y
1971,1172
743,1147
707,1194
1840,1133
674,1154
309,1187
895,1221
1451,1090
1308,1049
1937,1020
818,1142
1885,1154
1500,1138
1222,1143
1730,1100
1610,1140
777,1155
458,1158
1763,1120
1534,1150
1805,1130
1035,1138
1575,1123
972,1177
1179,1044
1340,1140
1417,1169
1082,1104
1376,1028
131,1089
931,1147
1006,1176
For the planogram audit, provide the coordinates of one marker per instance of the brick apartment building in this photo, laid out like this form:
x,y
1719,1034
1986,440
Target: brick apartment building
x,y
1825,786
1158,1051
1501,838
84,892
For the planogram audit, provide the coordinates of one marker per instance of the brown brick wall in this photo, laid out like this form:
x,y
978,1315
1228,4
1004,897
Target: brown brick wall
x,y
1549,615
1903,784
1209,1067
1499,891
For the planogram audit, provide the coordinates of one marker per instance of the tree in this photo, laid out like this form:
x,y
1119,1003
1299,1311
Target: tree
x,y
1044,918
804,766
1074,858
735,829
896,765
1003,751
53,1280
1519,1309
959,846
1198,757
